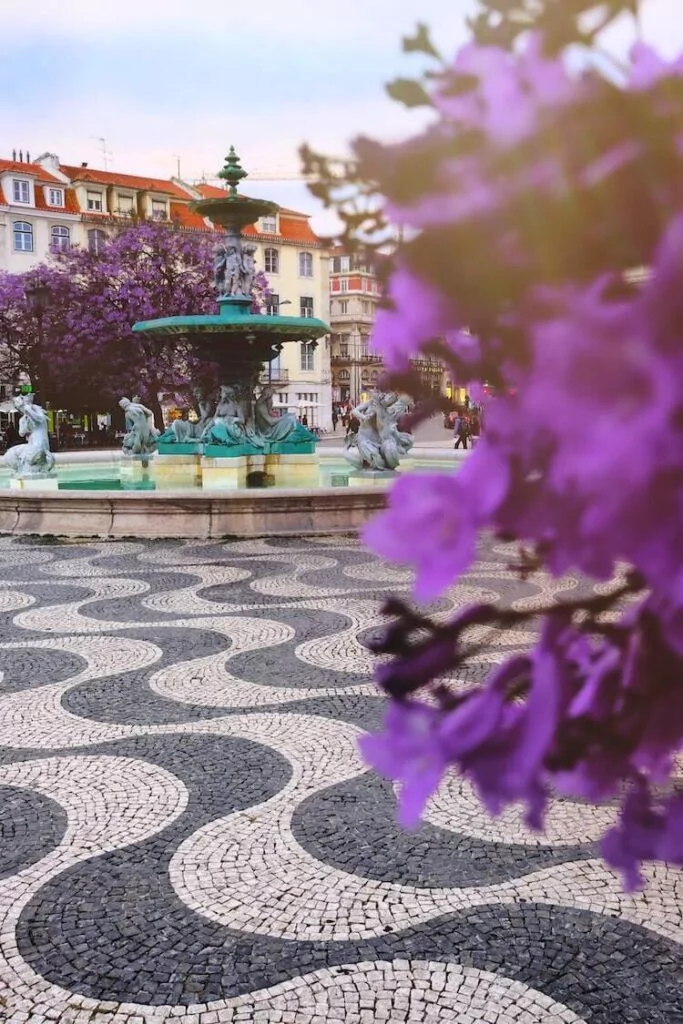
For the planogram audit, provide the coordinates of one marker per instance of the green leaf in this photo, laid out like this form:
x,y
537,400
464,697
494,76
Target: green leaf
x,y
421,42
409,92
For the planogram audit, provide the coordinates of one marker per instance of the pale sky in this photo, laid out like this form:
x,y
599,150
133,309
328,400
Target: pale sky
x,y
161,79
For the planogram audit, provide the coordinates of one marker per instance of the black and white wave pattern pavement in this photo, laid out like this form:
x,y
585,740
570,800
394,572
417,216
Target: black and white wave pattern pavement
x,y
188,834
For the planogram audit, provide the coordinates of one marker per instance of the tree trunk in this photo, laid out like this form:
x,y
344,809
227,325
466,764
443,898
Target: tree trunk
x,y
155,406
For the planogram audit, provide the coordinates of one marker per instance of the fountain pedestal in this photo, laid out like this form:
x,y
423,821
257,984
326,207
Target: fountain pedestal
x,y
290,470
221,474
180,469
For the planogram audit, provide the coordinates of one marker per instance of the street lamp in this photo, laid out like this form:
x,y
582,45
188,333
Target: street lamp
x,y
38,297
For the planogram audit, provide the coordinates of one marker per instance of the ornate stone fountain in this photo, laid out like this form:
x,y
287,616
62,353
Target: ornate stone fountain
x,y
238,439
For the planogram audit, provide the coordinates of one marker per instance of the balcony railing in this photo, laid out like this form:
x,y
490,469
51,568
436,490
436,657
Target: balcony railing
x,y
362,357
275,376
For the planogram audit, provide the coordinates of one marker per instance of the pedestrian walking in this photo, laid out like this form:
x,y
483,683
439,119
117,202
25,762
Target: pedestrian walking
x,y
460,431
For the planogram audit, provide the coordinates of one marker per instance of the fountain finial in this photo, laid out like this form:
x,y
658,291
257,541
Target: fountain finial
x,y
232,172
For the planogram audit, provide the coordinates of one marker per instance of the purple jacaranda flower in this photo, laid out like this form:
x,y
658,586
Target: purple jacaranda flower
x,y
647,67
646,831
418,313
510,90
428,524
408,751
432,519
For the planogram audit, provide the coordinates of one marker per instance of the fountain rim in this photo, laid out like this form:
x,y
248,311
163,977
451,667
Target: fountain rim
x,y
243,323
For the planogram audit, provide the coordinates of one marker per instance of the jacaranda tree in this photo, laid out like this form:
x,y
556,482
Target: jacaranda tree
x,y
550,174
89,356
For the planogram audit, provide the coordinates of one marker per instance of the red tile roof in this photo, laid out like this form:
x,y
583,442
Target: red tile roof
x,y
31,169
134,181
187,218
70,201
294,225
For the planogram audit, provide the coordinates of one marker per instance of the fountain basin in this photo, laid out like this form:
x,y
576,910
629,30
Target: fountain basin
x,y
92,500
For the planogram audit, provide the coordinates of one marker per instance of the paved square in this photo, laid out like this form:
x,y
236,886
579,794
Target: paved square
x,y
187,832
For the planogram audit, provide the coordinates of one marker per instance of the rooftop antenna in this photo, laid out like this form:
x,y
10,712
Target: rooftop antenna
x,y
106,153
177,160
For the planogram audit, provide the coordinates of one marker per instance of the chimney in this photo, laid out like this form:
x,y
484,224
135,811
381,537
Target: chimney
x,y
84,164
50,161
28,157
21,156
14,155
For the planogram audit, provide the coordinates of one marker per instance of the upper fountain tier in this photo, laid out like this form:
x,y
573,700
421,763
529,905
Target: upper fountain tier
x,y
235,338
233,211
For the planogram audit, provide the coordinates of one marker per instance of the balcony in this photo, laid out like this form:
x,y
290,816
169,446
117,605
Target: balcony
x,y
427,365
274,375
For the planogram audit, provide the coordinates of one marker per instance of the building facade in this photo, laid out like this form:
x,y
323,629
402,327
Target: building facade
x,y
46,205
355,291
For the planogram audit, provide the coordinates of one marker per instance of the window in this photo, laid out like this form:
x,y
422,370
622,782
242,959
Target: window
x,y
55,196
124,205
341,264
21,191
96,241
23,236
59,238
271,261
283,397
343,307
367,307
94,201
306,305
344,375
159,209
307,356
305,264
344,284
272,304
269,225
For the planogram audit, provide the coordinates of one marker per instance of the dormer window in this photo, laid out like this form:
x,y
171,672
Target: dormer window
x,y
94,201
21,191
159,209
269,225
124,205
55,196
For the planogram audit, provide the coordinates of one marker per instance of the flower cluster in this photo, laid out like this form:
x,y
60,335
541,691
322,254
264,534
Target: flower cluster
x,y
539,189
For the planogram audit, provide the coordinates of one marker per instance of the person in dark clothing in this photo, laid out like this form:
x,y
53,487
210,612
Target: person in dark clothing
x,y
461,431
11,435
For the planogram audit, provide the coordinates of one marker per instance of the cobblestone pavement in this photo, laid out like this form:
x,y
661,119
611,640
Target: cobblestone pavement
x,y
187,832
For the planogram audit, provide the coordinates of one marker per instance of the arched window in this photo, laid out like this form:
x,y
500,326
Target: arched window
x,y
305,264
23,236
271,259
344,375
96,241
59,237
